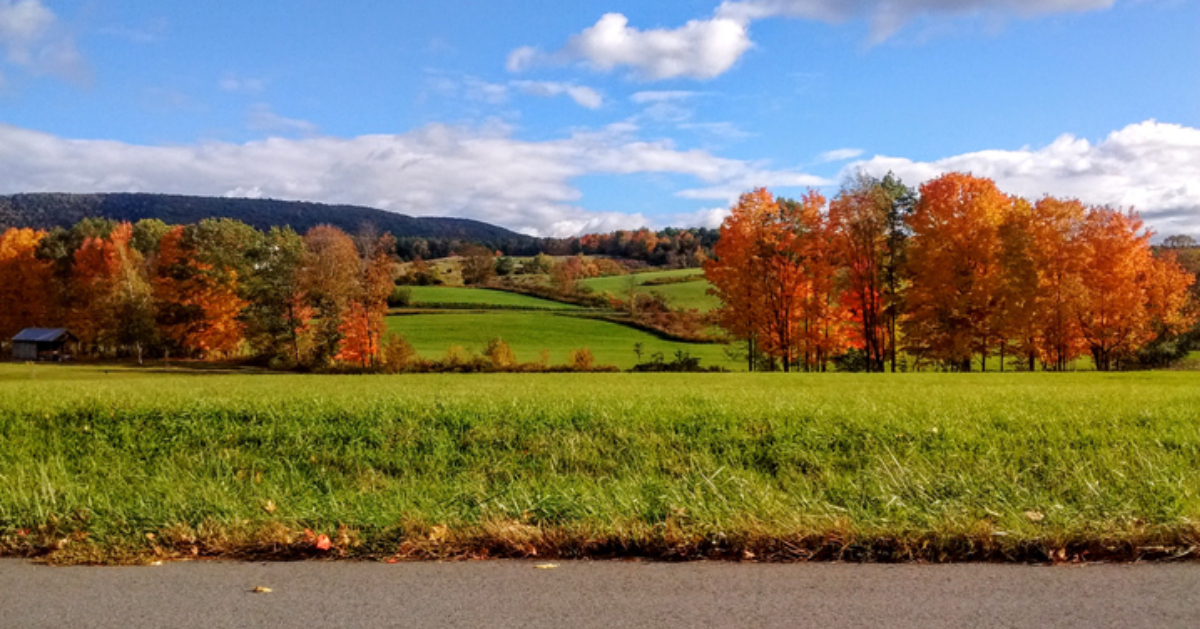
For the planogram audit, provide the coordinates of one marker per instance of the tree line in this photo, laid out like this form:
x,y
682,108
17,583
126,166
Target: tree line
x,y
950,275
206,290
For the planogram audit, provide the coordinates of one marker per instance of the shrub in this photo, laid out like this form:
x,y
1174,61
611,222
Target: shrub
x,y
682,363
396,354
457,355
401,297
500,354
581,359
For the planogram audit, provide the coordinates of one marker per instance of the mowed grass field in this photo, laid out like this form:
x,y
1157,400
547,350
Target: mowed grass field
x,y
680,295
124,465
456,296
528,333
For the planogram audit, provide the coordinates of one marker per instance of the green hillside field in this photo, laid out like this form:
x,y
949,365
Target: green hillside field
x,y
682,295
433,296
529,332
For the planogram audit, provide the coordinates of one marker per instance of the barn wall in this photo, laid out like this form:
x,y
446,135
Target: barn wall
x,y
24,351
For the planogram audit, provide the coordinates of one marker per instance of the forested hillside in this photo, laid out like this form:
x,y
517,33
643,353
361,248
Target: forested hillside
x,y
49,210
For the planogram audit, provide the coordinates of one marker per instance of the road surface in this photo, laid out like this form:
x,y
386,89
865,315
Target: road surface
x,y
578,595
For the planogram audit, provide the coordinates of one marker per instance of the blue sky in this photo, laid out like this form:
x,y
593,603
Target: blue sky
x,y
561,117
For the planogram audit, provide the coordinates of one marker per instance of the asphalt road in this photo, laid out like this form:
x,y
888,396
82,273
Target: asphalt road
x,y
597,594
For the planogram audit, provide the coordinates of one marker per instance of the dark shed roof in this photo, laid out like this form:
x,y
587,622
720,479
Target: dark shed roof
x,y
42,335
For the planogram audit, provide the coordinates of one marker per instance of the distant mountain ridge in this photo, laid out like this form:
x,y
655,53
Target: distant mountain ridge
x,y
49,210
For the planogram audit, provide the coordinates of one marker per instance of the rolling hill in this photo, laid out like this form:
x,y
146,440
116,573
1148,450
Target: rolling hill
x,y
49,210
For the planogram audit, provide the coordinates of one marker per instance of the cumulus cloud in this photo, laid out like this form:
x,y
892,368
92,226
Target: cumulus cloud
x,y
436,170
700,49
33,40
707,48
582,95
708,217
1151,167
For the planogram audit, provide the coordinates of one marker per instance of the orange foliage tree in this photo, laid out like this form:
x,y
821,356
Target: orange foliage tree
x,y
1129,296
1058,258
858,219
25,282
329,279
735,271
106,278
363,322
772,270
953,264
827,325
198,303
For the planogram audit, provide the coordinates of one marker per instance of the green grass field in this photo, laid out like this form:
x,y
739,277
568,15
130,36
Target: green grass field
x,y
454,295
121,465
529,332
682,295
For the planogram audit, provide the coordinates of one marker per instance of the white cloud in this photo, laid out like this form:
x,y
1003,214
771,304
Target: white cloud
x,y
582,95
888,16
839,155
480,90
707,48
32,39
523,58
1151,167
435,170
260,117
700,49
475,89
708,217
730,190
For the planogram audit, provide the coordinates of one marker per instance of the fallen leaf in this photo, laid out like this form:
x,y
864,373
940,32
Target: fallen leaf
x,y
323,542
546,566
259,589
269,507
438,533
1034,516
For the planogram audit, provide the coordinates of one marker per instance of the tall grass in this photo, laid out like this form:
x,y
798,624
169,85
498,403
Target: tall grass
x,y
128,464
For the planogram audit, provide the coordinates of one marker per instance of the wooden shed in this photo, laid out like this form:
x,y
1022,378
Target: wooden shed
x,y
42,344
